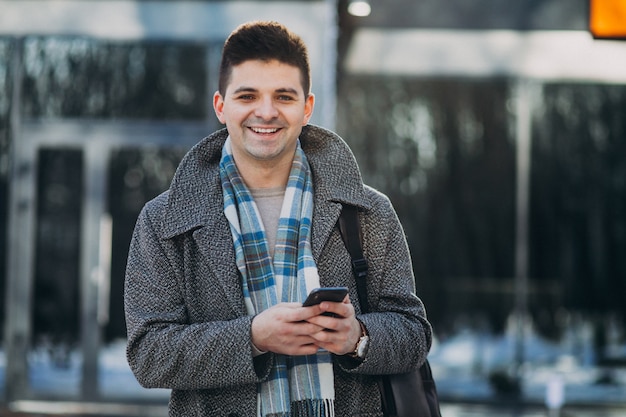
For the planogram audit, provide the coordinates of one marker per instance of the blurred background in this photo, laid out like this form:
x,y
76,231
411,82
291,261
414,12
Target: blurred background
x,y
498,129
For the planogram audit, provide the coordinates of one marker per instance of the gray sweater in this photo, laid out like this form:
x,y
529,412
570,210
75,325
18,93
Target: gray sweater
x,y
188,329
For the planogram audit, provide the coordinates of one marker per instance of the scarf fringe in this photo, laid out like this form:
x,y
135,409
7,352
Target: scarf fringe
x,y
310,408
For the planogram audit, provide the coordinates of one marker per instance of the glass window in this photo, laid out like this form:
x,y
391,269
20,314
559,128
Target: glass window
x,y
79,77
444,150
578,204
56,290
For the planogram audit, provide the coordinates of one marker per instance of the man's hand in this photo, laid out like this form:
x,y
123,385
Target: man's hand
x,y
342,331
290,329
284,328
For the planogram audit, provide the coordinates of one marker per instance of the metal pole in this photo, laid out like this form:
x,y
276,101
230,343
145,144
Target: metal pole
x,y
20,259
329,74
96,155
524,93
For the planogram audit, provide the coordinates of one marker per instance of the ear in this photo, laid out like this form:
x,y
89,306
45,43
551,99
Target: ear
x,y
309,104
218,106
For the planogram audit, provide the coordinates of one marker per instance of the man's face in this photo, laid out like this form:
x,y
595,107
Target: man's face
x,y
264,108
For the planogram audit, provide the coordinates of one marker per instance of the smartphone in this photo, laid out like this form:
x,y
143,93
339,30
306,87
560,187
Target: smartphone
x,y
316,296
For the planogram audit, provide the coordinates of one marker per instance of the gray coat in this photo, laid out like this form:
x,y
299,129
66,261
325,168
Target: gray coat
x,y
188,329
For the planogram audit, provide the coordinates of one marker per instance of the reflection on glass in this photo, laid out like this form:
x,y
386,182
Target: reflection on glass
x,y
444,151
56,288
78,77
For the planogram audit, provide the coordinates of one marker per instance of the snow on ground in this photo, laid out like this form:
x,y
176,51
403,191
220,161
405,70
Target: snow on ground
x,y
463,364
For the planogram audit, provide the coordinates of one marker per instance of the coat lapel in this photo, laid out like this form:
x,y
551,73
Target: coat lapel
x,y
218,255
196,205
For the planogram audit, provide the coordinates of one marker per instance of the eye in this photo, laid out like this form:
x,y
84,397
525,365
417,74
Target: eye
x,y
285,97
245,97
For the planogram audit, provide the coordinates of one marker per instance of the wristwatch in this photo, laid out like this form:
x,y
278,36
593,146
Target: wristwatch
x,y
360,350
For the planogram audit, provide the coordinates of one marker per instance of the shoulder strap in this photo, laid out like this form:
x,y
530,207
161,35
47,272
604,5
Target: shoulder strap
x,y
351,233
350,229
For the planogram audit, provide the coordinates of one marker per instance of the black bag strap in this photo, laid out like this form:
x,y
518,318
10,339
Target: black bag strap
x,y
350,229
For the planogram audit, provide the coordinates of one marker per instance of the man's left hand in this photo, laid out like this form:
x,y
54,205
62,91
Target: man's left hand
x,y
342,332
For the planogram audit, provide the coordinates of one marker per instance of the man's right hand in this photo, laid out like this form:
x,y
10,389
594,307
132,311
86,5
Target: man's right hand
x,y
283,329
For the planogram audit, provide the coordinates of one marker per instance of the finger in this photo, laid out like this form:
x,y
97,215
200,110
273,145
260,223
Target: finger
x,y
293,312
335,342
304,328
345,310
325,323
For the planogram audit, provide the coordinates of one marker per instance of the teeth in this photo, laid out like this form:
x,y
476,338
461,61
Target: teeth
x,y
259,130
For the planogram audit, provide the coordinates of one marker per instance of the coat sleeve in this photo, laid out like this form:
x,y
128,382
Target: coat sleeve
x,y
166,350
400,334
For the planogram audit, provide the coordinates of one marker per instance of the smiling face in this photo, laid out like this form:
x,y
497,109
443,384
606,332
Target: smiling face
x,y
264,108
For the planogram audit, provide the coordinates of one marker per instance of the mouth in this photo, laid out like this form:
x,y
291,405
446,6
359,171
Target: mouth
x,y
264,131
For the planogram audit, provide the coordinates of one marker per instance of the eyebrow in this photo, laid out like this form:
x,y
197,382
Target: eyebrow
x,y
278,90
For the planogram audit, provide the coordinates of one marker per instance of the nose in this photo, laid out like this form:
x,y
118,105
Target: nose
x,y
266,109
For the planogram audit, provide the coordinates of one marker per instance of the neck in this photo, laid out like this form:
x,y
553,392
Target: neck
x,y
261,176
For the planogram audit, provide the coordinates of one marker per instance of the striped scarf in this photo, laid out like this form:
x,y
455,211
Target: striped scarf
x,y
298,386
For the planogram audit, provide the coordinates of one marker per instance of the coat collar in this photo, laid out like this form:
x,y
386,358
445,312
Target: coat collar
x,y
195,196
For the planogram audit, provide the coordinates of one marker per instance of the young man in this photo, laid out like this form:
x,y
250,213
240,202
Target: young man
x,y
220,264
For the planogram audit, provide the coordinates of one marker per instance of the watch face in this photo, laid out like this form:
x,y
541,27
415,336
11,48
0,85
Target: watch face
x,y
363,346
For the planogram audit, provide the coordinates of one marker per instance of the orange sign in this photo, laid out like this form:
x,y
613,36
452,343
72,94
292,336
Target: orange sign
x,y
607,19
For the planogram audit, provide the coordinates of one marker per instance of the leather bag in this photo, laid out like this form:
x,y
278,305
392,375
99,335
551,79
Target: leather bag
x,y
411,394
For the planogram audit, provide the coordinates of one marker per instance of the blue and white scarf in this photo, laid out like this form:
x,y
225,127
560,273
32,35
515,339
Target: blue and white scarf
x,y
298,386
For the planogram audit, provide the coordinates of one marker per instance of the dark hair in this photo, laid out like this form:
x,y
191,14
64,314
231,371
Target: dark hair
x,y
264,41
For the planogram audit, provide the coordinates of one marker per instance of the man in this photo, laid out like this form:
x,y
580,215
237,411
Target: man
x,y
220,264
